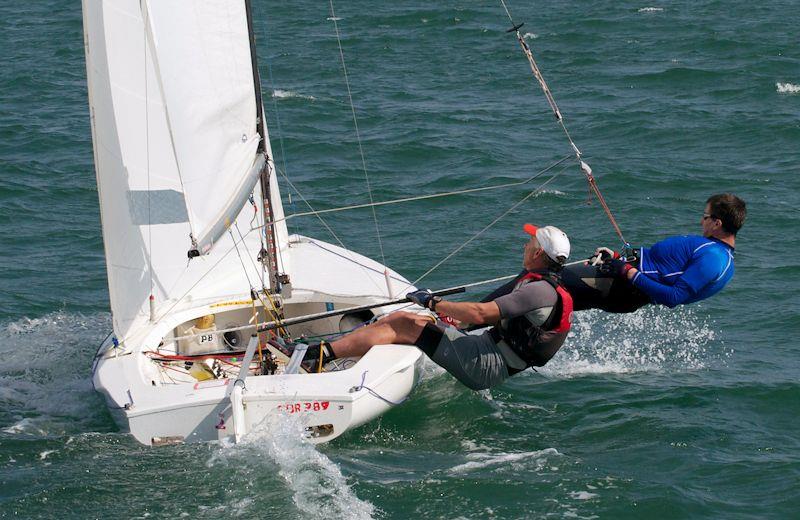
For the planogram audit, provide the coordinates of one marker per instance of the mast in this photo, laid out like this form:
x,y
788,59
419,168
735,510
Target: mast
x,y
268,257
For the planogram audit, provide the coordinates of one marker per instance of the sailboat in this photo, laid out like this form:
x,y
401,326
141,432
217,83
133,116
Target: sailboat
x,y
197,250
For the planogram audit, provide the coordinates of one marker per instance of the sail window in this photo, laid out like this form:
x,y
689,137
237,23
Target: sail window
x,y
157,207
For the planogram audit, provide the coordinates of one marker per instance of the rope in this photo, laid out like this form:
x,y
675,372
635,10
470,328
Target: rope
x,y
358,135
372,392
272,309
593,186
559,118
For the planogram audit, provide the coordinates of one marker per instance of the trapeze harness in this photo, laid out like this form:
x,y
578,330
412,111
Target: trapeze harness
x,y
534,344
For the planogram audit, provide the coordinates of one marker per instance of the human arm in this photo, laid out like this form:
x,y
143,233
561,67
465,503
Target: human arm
x,y
535,300
476,313
669,295
701,271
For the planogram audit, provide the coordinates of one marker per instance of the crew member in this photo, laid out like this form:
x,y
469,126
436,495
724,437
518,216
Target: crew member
x,y
677,270
529,320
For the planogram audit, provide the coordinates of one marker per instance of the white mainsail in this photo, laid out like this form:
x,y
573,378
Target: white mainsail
x,y
174,124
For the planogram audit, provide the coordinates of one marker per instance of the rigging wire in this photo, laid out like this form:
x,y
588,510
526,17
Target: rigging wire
x,y
534,67
393,310
329,228
559,118
272,309
197,282
492,223
277,114
428,196
358,135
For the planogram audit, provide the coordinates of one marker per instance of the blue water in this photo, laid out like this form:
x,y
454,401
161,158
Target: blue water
x,y
686,413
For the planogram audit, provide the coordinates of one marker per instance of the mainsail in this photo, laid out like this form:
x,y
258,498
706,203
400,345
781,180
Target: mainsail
x,y
174,122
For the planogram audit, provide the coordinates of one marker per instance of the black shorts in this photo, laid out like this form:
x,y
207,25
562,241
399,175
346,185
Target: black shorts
x,y
596,287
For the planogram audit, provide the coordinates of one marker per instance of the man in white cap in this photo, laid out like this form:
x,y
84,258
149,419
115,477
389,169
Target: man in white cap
x,y
529,320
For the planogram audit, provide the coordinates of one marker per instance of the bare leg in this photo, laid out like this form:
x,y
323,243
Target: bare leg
x,y
400,327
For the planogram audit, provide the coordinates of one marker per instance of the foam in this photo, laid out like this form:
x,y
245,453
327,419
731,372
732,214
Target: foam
x,y
45,380
787,88
288,94
582,495
480,460
43,455
318,487
651,10
651,339
530,36
557,193
26,426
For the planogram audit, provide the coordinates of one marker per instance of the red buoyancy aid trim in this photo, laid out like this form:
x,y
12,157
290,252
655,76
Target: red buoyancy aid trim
x,y
565,320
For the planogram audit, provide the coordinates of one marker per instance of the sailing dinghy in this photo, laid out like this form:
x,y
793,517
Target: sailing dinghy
x,y
197,250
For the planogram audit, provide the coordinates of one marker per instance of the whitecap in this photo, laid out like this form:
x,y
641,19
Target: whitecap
x,y
530,36
787,88
557,193
480,460
43,455
582,495
288,94
651,10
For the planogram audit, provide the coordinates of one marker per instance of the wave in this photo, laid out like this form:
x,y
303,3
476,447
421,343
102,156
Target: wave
x,y
530,36
318,487
288,94
651,339
651,10
787,88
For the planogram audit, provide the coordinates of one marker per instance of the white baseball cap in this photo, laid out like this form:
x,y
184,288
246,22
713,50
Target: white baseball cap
x,y
554,241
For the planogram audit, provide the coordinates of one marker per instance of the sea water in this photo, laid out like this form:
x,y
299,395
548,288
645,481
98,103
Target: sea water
x,y
684,413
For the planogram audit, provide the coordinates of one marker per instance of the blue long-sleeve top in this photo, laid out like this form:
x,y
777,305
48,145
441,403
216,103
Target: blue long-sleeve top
x,y
684,269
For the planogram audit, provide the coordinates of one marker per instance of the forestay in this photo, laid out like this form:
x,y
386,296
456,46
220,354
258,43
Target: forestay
x,y
174,123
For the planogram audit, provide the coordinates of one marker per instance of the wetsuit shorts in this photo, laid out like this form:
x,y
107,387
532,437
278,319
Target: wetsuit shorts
x,y
473,359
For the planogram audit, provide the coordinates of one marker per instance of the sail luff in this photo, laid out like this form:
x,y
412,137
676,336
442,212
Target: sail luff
x,y
256,76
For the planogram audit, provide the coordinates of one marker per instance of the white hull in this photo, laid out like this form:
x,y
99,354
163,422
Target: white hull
x,y
329,403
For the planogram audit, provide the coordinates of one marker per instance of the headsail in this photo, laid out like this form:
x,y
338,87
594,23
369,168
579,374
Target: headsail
x,y
174,122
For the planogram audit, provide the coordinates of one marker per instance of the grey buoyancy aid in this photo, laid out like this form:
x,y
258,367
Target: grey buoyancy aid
x,y
536,344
